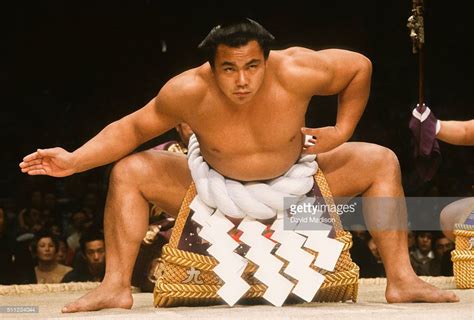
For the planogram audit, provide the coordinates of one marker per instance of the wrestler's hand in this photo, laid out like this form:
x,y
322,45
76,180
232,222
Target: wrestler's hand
x,y
55,162
324,139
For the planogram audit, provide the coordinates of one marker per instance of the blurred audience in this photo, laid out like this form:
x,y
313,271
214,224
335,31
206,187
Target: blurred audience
x,y
6,252
79,223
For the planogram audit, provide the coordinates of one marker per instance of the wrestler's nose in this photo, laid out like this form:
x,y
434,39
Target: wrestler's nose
x,y
242,79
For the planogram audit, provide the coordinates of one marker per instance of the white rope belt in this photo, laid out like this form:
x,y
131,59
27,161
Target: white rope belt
x,y
253,199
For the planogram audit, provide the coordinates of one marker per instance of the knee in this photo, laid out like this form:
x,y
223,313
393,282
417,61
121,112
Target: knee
x,y
452,214
383,159
130,168
446,222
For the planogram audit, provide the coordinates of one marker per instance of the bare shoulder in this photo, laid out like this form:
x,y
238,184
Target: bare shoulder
x,y
297,58
313,70
184,90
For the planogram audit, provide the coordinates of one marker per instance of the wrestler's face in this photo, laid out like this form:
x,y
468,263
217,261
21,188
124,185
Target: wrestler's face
x,y
239,71
46,249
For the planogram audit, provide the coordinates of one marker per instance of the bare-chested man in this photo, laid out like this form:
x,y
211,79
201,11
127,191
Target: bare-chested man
x,y
247,108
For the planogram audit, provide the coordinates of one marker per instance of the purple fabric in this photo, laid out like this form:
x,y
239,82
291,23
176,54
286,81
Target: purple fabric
x,y
165,145
470,219
427,152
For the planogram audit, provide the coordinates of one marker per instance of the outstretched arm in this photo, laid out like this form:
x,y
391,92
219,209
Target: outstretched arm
x,y
457,132
331,72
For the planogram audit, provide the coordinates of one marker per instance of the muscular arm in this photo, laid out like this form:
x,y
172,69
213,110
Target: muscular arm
x,y
457,132
121,137
333,71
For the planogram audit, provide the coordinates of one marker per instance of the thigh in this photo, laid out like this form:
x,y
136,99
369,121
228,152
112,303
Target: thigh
x,y
161,177
353,167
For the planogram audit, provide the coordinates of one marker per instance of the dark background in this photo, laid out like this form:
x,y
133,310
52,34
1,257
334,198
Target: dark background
x,y
71,67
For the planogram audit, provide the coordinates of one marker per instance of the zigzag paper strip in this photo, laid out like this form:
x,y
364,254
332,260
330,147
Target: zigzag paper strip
x,y
215,228
269,266
328,249
299,261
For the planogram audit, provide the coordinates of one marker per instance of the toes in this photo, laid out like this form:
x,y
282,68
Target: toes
x,y
69,308
454,298
65,309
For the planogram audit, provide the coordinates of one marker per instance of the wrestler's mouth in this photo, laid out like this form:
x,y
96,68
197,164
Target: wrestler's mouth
x,y
241,94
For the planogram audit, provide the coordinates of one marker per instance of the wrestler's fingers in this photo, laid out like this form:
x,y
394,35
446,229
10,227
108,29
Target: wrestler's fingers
x,y
309,149
37,172
32,156
30,163
33,168
310,143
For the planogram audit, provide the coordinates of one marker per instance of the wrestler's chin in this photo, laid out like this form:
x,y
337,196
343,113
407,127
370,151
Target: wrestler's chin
x,y
241,99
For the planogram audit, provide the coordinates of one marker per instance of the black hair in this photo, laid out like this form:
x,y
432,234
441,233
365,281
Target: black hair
x,y
236,33
420,233
89,236
44,233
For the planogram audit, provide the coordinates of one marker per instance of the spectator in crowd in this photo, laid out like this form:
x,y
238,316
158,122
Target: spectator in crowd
x,y
55,229
64,255
423,254
45,249
443,245
92,263
443,248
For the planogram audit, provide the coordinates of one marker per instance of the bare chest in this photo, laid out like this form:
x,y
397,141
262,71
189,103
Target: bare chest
x,y
266,125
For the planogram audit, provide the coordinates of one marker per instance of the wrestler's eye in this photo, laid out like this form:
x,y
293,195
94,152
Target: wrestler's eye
x,y
228,69
253,66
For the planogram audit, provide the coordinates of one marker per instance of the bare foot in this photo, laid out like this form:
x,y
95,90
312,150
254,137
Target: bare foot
x,y
102,297
416,290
